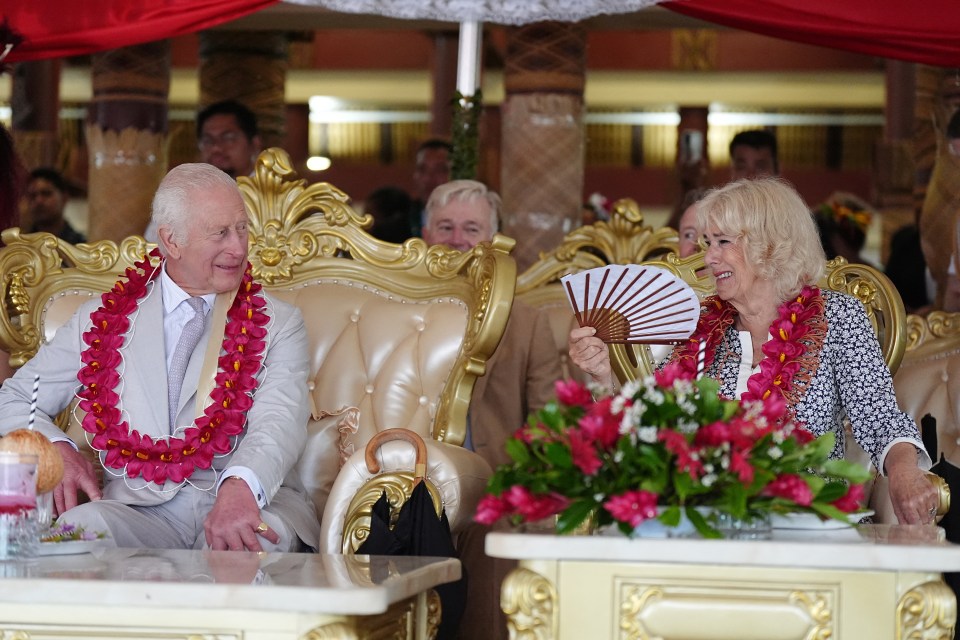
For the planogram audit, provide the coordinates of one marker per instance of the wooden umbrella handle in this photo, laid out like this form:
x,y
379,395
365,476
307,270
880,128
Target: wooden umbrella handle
x,y
373,466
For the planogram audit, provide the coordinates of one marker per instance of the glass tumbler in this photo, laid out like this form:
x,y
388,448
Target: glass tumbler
x,y
19,538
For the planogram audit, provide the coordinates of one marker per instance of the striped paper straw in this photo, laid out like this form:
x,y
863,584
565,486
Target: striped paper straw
x,y
701,358
33,401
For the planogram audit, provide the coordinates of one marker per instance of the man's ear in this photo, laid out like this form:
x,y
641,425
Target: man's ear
x,y
257,145
167,239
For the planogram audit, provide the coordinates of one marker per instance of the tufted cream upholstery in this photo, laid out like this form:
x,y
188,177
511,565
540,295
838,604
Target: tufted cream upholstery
x,y
398,334
928,380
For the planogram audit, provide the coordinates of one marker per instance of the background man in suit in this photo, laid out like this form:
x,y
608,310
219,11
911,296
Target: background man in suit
x,y
46,198
753,154
519,379
248,496
228,137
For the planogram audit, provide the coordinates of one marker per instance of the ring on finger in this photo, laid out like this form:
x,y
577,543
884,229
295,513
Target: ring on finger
x,y
263,527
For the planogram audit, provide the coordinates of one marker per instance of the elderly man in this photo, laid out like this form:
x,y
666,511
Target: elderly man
x,y
520,379
521,374
194,384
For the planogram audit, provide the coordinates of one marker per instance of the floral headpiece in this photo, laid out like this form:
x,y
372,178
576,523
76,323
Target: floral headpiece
x,y
846,210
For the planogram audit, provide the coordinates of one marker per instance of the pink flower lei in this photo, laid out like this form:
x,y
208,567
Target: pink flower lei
x,y
211,434
793,349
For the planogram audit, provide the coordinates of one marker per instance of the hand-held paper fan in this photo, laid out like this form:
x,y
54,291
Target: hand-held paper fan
x,y
633,303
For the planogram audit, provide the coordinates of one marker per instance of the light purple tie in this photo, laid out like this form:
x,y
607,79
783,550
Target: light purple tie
x,y
181,356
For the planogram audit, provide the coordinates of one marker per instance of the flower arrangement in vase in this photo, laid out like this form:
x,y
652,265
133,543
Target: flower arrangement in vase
x,y
667,447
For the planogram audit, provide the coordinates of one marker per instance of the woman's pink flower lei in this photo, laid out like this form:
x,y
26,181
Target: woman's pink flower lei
x,y
784,353
211,434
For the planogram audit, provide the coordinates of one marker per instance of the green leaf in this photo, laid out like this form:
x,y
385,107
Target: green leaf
x,y
670,516
700,524
571,517
851,471
518,451
559,454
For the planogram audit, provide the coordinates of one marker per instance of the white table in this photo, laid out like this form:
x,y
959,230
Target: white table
x,y
207,595
874,581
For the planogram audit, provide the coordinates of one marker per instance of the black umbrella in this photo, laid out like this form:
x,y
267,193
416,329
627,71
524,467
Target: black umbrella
x,y
951,475
418,529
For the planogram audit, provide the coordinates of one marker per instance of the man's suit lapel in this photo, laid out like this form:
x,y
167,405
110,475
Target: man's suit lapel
x,y
146,368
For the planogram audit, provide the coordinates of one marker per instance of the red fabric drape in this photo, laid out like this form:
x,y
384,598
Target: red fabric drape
x,y
58,28
926,31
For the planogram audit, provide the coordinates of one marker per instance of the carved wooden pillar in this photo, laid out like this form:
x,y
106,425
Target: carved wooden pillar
x,y
127,137
543,141
35,102
443,69
938,96
894,169
251,68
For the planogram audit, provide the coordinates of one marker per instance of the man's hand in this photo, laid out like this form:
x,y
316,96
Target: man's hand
x,y
914,497
78,475
234,520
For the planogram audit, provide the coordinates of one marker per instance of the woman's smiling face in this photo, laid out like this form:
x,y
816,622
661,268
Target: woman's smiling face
x,y
726,261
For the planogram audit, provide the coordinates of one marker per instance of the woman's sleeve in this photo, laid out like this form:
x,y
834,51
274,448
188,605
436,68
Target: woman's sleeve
x,y
864,383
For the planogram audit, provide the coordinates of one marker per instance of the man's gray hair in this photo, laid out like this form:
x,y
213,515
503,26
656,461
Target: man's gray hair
x,y
464,191
171,203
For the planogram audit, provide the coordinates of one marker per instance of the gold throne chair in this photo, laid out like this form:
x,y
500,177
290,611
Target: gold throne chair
x,y
397,335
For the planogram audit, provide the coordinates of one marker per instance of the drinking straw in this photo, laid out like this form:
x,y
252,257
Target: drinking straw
x,y
701,357
33,401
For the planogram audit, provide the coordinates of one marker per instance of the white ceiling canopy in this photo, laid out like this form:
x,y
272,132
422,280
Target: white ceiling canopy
x,y
514,12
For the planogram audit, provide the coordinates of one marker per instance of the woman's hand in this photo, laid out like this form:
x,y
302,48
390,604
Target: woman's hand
x,y
591,355
915,499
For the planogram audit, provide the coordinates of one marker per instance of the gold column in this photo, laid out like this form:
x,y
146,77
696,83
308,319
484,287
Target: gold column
x,y
251,68
543,141
35,102
126,137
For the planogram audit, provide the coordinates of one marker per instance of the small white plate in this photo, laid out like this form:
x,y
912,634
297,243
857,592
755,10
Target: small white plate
x,y
812,521
68,547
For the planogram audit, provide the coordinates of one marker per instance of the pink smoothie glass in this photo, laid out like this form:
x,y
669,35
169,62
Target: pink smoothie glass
x,y
18,505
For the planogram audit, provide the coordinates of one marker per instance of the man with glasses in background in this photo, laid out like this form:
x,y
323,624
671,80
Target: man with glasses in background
x,y
228,137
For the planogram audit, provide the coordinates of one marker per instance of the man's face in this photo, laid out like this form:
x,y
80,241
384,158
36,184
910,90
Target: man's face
x,y
432,170
213,254
751,162
460,224
224,145
45,202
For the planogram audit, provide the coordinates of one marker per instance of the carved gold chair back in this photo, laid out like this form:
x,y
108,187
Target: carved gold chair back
x,y
625,239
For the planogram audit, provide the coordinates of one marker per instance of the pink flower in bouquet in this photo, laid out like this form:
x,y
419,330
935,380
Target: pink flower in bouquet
x,y
632,507
741,466
490,509
677,444
792,487
584,454
852,500
601,425
534,507
801,435
713,435
572,393
669,374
